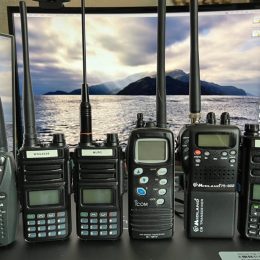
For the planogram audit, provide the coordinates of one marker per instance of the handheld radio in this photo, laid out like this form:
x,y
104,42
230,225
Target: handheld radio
x,y
150,162
44,170
98,174
249,197
9,206
209,155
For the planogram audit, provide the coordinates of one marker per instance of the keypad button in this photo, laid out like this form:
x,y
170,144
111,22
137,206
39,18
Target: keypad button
x,y
112,214
141,191
162,192
62,233
207,153
61,214
61,220
138,171
41,228
51,215
84,214
143,180
93,227
162,171
31,229
42,234
197,152
233,152
253,226
62,226
31,223
252,232
197,160
224,153
41,222
103,221
160,202
84,220
84,233
93,220
103,233
40,216
31,235
112,220
30,216
84,226
232,160
163,182
113,226
52,234
94,233
52,227
93,214
113,232
253,220
102,227
103,214
51,221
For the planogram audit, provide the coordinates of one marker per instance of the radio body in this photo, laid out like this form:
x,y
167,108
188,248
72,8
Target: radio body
x,y
98,183
9,206
150,162
209,156
45,183
249,197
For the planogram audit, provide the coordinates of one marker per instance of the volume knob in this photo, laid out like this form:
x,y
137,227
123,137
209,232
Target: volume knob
x,y
112,139
225,118
58,140
211,118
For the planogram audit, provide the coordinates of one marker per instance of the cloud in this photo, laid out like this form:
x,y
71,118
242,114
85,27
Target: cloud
x,y
119,46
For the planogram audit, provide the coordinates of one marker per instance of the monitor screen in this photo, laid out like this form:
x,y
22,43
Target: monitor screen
x,y
121,68
6,84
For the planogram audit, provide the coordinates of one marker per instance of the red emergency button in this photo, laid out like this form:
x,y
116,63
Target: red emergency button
x,y
197,152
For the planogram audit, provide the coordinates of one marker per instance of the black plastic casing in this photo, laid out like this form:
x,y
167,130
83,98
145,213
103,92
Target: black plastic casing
x,y
147,220
210,182
45,168
99,166
9,204
249,175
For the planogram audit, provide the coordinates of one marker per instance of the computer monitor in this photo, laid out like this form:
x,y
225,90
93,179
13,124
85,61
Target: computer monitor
x,y
7,85
121,65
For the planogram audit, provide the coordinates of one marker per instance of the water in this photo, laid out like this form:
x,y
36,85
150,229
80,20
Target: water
x,y
118,113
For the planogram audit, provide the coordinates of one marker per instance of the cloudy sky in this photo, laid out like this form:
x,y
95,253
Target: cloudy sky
x,y
122,45
6,77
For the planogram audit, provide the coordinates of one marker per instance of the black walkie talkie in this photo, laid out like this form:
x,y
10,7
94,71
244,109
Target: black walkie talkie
x,y
9,206
209,155
249,197
150,162
98,174
44,170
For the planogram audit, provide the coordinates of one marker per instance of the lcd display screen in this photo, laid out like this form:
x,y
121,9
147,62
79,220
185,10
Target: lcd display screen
x,y
256,192
44,197
214,140
97,196
151,150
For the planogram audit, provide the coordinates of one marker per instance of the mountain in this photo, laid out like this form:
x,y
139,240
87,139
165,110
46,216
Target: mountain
x,y
177,83
107,88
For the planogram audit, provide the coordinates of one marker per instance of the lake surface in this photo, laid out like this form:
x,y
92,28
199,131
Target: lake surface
x,y
118,113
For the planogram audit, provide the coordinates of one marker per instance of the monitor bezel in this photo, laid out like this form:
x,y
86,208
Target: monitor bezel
x,y
14,92
108,10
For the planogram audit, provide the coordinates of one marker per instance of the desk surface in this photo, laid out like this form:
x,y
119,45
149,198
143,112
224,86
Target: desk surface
x,y
179,248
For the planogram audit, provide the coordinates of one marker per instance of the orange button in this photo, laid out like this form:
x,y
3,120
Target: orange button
x,y
197,152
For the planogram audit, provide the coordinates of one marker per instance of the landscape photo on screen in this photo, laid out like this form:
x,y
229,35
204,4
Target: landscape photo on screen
x,y
121,68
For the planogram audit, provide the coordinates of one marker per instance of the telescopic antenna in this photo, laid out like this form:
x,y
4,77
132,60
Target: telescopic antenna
x,y
195,88
3,139
30,135
160,82
85,107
